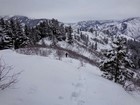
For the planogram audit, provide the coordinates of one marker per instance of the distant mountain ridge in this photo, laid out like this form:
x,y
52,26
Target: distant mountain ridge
x,y
129,27
25,20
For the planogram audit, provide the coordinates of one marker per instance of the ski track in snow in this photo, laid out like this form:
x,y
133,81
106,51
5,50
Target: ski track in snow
x,y
78,96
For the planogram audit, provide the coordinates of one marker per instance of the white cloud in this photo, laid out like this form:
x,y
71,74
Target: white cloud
x,y
71,10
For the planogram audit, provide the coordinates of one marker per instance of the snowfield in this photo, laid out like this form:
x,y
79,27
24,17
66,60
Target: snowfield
x,y
47,81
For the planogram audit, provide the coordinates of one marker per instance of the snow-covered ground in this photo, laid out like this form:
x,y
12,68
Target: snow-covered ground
x,y
47,81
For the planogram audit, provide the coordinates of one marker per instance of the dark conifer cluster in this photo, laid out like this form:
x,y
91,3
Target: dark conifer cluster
x,y
117,63
15,35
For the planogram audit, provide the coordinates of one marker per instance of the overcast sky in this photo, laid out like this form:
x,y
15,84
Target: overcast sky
x,y
72,10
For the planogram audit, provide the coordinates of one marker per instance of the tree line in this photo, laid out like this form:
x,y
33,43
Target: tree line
x,y
15,35
121,63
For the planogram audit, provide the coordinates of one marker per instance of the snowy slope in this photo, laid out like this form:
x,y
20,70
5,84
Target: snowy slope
x,y
46,81
129,27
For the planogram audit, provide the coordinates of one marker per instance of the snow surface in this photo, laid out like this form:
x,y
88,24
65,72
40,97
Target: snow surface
x,y
46,81
132,30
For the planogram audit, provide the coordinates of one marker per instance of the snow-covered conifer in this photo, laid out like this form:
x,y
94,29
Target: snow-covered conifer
x,y
117,63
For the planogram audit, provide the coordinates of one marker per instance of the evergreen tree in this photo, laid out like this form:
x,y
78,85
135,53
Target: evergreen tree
x,y
91,30
62,35
95,47
35,37
13,28
86,40
69,33
116,63
27,31
43,29
134,48
6,40
54,30
2,23
78,31
20,39
3,26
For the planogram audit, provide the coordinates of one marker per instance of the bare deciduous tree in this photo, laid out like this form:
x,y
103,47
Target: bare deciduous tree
x,y
60,54
7,78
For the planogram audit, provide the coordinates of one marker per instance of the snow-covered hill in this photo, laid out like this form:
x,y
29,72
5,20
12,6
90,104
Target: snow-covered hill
x,y
25,20
129,27
46,81
92,44
87,43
